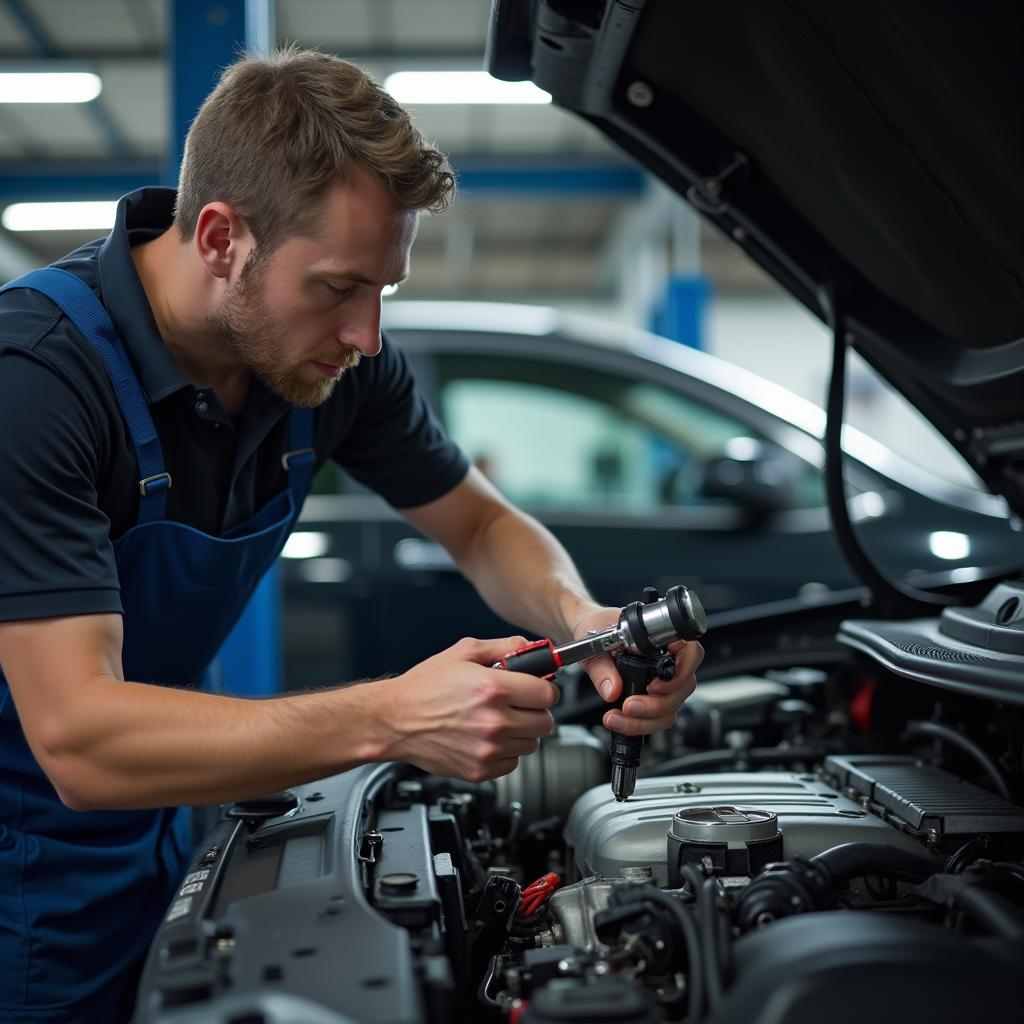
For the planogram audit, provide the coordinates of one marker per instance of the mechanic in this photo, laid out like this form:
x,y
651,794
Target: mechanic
x,y
245,312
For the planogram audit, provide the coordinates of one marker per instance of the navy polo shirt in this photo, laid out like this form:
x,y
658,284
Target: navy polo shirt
x,y
69,479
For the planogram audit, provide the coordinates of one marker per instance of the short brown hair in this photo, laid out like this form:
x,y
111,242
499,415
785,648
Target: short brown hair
x,y
279,128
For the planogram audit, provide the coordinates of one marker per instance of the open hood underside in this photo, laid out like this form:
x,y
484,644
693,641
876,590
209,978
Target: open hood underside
x,y
870,157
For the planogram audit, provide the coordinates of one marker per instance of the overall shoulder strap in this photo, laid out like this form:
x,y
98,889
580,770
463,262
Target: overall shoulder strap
x,y
86,312
301,456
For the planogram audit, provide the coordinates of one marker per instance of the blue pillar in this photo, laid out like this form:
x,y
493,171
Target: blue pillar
x,y
205,37
680,315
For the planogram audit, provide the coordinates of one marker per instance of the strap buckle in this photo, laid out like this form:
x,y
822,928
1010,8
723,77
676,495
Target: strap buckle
x,y
305,454
157,482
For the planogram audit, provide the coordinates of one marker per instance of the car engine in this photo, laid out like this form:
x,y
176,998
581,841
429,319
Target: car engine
x,y
833,841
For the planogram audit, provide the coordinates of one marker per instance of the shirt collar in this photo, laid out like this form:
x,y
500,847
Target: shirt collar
x,y
141,216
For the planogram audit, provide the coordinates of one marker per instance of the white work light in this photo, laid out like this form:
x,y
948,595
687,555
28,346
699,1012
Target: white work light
x,y
460,87
49,87
90,216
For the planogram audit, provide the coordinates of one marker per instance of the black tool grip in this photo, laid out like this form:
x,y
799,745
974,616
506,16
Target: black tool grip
x,y
624,751
536,659
636,674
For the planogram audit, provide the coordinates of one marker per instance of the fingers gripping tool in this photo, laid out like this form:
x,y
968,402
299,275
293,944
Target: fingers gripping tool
x,y
643,632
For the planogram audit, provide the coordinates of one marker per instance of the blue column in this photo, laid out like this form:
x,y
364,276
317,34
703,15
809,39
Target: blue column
x,y
680,315
205,37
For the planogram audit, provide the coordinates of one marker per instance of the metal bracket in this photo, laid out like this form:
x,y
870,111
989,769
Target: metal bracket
x,y
708,194
157,482
373,842
302,454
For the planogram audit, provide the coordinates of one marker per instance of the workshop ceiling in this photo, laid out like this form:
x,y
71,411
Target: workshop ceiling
x,y
515,243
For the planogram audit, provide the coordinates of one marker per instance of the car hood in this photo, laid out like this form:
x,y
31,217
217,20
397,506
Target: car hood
x,y
870,157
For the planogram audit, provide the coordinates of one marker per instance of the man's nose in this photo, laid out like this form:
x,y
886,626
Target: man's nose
x,y
364,334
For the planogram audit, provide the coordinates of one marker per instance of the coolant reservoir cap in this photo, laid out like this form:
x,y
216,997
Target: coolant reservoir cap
x,y
724,824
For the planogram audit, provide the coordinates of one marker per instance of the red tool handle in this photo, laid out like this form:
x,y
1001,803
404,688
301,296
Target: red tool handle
x,y
537,659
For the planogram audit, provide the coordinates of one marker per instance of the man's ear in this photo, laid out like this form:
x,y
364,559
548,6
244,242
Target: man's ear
x,y
222,239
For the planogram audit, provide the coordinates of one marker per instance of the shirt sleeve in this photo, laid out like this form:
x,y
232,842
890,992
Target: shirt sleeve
x,y
56,555
395,445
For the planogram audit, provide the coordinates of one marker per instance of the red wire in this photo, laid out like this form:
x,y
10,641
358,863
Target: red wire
x,y
536,894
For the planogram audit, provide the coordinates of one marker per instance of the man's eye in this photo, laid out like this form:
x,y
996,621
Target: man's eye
x,y
341,293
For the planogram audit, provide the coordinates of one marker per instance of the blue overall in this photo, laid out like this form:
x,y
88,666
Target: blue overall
x,y
81,893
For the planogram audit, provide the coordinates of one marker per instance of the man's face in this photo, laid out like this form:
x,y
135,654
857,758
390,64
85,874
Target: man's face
x,y
301,315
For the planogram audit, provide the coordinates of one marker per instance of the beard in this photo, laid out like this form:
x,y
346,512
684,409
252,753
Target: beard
x,y
249,331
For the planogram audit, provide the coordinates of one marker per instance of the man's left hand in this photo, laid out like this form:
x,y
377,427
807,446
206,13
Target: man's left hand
x,y
657,709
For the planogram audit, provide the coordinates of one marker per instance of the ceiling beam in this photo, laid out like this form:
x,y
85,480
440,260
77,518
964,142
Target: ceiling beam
x,y
95,109
479,178
412,59
56,182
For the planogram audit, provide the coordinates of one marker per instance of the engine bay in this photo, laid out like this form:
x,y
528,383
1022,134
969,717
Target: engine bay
x,y
809,843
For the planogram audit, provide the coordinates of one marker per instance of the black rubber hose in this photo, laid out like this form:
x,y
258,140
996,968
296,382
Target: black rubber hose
x,y
887,592
797,886
937,731
705,760
1015,871
855,860
991,910
695,977
965,854
710,937
704,892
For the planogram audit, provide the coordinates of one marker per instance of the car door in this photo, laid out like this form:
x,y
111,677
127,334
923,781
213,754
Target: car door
x,y
648,475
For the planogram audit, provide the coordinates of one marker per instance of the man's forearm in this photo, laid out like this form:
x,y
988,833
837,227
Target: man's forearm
x,y
135,745
526,576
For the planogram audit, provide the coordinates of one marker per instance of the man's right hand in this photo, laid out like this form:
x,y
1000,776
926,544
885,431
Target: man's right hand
x,y
454,715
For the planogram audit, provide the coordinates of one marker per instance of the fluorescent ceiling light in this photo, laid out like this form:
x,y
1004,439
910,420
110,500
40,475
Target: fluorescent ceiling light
x,y
49,87
306,545
98,216
460,87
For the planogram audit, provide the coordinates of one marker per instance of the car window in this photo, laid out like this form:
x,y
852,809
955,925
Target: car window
x,y
554,436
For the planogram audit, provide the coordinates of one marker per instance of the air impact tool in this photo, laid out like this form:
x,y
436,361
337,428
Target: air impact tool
x,y
644,631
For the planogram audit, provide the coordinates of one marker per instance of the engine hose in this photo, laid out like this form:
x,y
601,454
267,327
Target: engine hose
x,y
695,975
709,928
938,731
991,910
855,860
799,885
706,760
965,854
1005,868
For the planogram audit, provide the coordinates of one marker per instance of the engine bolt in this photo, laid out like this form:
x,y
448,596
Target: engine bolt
x,y
640,94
